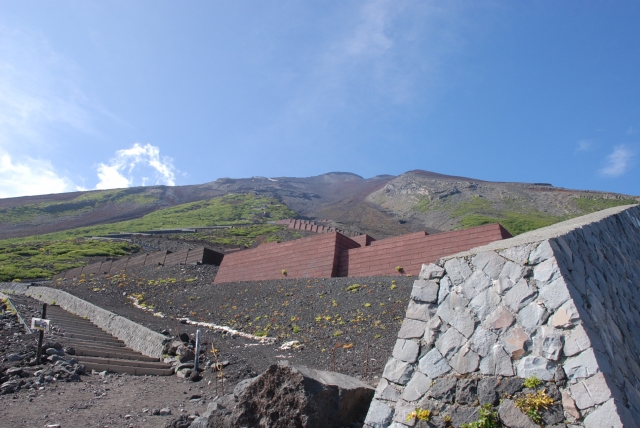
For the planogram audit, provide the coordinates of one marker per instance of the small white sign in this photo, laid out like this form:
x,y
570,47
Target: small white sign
x,y
40,324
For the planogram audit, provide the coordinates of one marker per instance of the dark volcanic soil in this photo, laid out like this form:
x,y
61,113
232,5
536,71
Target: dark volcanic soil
x,y
342,327
336,326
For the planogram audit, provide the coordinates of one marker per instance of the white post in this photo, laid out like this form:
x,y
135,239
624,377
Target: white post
x,y
195,363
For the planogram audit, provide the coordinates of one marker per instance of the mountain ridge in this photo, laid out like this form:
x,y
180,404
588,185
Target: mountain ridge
x,y
384,205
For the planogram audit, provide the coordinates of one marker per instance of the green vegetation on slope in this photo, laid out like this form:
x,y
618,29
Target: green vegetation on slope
x,y
245,235
81,204
516,223
42,256
45,259
590,205
478,211
225,210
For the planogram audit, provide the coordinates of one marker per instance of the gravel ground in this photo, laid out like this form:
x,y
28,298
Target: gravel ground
x,y
340,326
338,321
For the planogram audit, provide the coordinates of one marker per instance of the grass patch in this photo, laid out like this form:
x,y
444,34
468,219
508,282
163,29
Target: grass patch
x,y
245,235
515,222
593,204
45,259
225,210
81,204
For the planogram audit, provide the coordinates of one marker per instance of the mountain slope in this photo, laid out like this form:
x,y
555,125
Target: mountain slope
x,y
381,206
445,202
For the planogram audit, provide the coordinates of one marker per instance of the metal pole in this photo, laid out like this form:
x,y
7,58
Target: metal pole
x,y
195,363
41,337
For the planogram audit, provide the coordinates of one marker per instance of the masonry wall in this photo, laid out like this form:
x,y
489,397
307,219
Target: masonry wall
x,y
561,303
199,255
412,250
313,257
310,226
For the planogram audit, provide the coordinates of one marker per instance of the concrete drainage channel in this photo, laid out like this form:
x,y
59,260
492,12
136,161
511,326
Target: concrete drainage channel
x,y
96,348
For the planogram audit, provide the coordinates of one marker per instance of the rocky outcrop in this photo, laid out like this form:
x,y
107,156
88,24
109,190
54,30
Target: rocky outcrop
x,y
296,396
287,396
559,304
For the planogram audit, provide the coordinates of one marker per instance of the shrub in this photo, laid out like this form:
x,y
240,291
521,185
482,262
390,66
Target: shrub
x,y
420,414
532,403
488,418
532,382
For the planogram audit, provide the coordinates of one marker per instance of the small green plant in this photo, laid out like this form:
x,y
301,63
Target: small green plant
x,y
284,272
337,333
353,288
399,268
53,302
366,305
296,328
532,403
532,382
393,286
488,418
420,414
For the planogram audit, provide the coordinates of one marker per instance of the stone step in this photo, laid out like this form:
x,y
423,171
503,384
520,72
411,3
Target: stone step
x,y
123,362
79,342
86,331
99,350
92,338
128,369
107,353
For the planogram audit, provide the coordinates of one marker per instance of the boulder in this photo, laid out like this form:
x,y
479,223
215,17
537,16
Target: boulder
x,y
184,354
297,396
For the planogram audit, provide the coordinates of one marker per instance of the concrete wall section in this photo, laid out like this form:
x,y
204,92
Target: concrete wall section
x,y
561,303
200,255
412,250
313,257
363,240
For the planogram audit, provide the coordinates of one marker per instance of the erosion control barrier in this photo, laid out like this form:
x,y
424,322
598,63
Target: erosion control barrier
x,y
135,336
561,304
200,255
334,254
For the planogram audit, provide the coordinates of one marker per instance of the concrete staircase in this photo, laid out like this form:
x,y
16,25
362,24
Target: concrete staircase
x,y
95,348
99,350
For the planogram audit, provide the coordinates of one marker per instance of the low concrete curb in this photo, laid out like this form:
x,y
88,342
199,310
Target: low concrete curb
x,y
135,336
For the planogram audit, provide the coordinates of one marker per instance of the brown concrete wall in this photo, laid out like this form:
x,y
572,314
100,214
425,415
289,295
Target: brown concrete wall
x,y
412,250
313,257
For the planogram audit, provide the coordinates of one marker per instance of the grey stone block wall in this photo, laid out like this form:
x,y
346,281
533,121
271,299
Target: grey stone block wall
x,y
135,336
561,303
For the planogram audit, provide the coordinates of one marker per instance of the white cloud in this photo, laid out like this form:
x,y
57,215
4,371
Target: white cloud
x,y
618,162
632,131
128,164
584,145
30,177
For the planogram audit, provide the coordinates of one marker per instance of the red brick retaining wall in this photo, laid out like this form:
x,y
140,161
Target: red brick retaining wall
x,y
199,255
333,254
313,257
411,251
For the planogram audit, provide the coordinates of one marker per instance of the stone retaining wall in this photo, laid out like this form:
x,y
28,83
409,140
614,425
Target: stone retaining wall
x,y
561,303
135,336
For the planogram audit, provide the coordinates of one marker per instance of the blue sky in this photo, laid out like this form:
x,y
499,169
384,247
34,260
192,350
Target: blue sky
x,y
123,93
